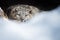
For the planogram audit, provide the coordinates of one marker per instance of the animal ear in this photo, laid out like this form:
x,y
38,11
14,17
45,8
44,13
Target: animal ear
x,y
1,12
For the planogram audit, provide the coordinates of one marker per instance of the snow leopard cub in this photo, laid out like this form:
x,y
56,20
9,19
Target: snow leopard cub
x,y
21,13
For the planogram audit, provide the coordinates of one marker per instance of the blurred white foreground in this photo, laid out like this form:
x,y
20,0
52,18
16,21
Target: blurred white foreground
x,y
44,26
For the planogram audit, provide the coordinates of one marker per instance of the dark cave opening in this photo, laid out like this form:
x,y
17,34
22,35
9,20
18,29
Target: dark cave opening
x,y
41,4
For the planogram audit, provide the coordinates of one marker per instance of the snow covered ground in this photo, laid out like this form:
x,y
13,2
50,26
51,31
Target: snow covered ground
x,y
44,26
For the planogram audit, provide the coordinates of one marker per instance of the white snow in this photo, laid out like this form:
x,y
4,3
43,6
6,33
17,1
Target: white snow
x,y
44,26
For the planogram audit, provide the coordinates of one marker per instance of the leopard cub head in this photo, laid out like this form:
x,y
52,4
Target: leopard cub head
x,y
22,13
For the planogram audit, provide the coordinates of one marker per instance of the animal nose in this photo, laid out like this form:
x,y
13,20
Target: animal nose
x,y
22,19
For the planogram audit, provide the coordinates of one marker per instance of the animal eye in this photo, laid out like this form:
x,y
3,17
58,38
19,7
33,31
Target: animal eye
x,y
25,15
30,12
15,10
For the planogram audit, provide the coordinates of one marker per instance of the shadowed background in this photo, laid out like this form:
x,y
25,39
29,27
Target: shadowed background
x,y
42,4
